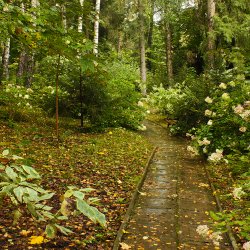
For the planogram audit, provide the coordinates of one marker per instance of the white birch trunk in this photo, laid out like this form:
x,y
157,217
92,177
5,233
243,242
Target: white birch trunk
x,y
64,19
80,26
96,26
6,59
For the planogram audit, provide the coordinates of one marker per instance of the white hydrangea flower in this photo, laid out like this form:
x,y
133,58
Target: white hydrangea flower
x,y
208,100
192,150
243,129
210,123
208,112
238,109
246,245
205,142
29,90
203,230
238,193
225,96
223,86
140,104
216,238
26,96
216,156
245,114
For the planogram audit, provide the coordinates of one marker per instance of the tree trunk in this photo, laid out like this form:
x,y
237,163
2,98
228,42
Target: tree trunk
x,y
119,44
96,26
142,49
169,58
150,36
5,59
80,24
211,43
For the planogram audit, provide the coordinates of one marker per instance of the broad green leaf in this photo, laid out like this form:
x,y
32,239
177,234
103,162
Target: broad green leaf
x,y
16,157
11,173
63,230
33,186
43,207
33,195
51,231
19,191
91,212
31,171
8,188
62,217
32,210
46,196
79,195
48,214
5,152
68,193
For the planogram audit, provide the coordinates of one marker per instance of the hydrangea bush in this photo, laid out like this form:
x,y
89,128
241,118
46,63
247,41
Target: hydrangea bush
x,y
224,139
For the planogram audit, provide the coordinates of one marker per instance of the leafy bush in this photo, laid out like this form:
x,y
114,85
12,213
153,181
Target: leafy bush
x,y
19,183
120,108
183,102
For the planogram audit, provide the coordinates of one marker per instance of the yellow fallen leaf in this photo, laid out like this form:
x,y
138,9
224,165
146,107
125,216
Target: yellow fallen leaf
x,y
125,246
100,153
25,233
36,240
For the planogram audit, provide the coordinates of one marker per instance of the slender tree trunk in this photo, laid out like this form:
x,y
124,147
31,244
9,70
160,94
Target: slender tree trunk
x,y
142,49
169,57
5,59
150,36
211,43
57,98
80,30
80,24
64,18
96,26
119,44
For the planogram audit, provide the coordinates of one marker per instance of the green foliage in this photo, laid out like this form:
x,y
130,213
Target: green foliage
x,y
19,183
183,102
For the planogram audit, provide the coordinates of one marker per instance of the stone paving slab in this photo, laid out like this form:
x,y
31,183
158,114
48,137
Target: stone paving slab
x,y
174,200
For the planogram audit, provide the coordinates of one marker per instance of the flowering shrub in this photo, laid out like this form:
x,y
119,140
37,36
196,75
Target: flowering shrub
x,y
223,137
206,233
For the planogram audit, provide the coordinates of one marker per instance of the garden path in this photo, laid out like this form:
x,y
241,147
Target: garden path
x,y
174,200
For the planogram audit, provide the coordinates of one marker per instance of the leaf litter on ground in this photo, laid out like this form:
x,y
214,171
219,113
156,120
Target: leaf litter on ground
x,y
110,162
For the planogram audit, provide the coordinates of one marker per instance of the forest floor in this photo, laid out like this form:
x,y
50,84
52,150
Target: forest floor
x,y
111,162
175,199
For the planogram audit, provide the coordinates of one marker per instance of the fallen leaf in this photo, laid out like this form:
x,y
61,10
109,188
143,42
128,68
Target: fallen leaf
x,y
125,246
36,240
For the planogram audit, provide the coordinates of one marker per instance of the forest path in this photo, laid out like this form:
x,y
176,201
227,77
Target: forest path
x,y
174,199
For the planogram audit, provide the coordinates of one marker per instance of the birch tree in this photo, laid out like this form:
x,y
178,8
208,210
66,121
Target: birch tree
x,y
96,26
5,59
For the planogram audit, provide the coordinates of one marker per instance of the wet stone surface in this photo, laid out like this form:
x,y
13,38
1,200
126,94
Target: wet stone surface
x,y
174,200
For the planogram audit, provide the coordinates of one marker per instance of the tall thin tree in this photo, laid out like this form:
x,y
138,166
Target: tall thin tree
x,y
142,48
96,26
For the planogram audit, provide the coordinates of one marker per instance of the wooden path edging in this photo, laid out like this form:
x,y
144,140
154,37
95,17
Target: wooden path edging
x,y
229,230
132,204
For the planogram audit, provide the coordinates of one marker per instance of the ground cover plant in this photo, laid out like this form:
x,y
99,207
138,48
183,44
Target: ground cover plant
x,y
110,163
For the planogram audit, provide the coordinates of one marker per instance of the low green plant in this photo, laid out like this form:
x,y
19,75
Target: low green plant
x,y
20,183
